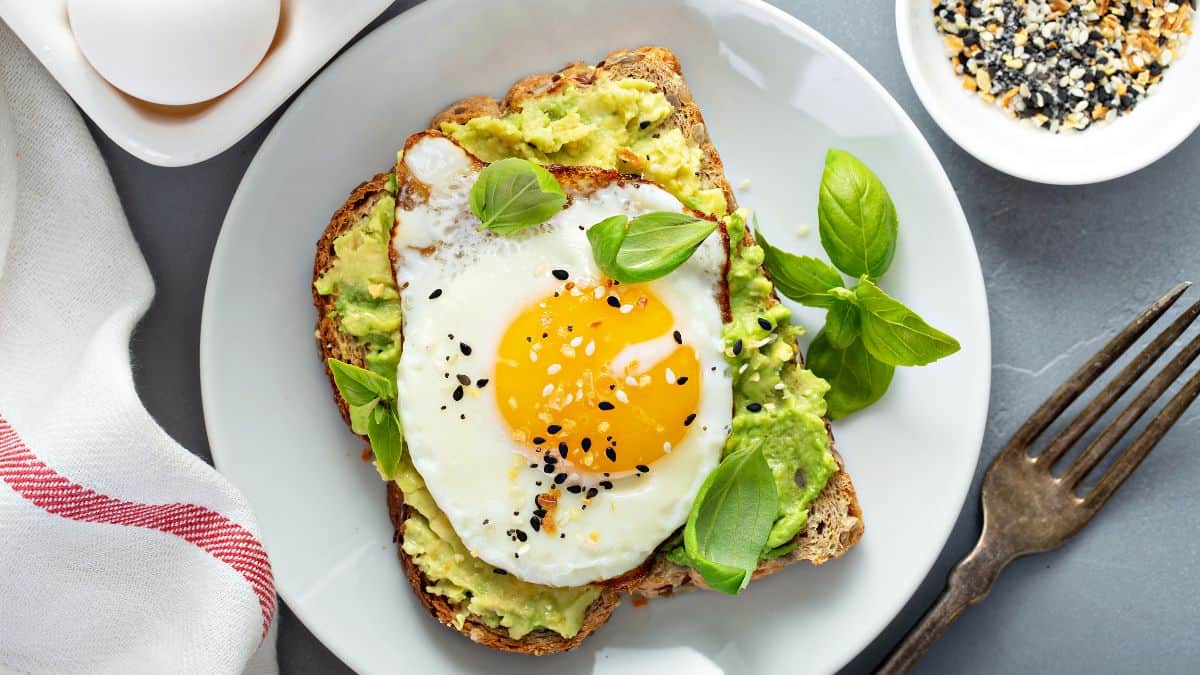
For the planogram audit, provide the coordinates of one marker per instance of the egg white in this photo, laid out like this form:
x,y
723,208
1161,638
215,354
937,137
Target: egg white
x,y
463,449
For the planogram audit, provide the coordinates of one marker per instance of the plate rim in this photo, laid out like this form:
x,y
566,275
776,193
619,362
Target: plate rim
x,y
820,42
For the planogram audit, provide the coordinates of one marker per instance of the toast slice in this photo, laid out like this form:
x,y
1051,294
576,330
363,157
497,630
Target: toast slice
x,y
835,521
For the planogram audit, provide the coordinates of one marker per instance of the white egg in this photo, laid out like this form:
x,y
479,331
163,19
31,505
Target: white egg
x,y
174,52
466,292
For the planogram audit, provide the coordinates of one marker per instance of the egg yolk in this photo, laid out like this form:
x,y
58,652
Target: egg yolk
x,y
597,376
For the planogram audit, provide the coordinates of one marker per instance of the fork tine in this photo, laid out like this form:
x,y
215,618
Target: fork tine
x,y
1069,390
1130,415
1150,436
1115,389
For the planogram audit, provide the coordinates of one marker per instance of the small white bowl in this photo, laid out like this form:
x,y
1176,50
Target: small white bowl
x,y
1105,151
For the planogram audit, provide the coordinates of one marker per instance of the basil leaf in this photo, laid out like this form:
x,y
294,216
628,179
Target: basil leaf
x,y
842,324
856,217
856,379
650,246
730,520
773,553
513,194
359,386
894,334
360,416
387,440
804,279
606,237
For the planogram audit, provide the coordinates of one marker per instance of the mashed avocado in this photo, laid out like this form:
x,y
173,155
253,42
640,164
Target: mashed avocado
x,y
475,587
788,426
366,301
614,124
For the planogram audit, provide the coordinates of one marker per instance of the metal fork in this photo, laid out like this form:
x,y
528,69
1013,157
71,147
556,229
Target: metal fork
x,y
1026,508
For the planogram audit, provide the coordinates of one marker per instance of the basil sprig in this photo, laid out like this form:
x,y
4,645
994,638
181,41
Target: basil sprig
x,y
371,398
856,217
867,332
727,528
650,246
513,194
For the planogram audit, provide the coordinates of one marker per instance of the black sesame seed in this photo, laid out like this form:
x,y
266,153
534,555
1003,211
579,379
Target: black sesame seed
x,y
538,440
521,536
465,348
737,347
559,479
443,407
549,468
643,124
613,301
606,484
564,534
678,337
464,380
682,380
687,421
551,459
586,444
553,429
562,450
754,407
610,454
574,489
540,513
458,393
437,293
605,405
764,324
481,383
561,275
535,523
643,468
499,571
592,492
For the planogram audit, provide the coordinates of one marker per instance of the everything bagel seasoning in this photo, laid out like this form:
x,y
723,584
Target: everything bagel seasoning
x,y
1063,65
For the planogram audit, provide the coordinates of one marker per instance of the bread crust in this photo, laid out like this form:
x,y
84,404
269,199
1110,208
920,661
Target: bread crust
x,y
835,522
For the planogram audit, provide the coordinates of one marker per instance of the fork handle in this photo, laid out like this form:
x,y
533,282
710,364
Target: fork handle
x,y
969,582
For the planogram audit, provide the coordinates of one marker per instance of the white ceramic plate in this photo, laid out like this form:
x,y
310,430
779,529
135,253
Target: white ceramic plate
x,y
310,33
775,95
1164,120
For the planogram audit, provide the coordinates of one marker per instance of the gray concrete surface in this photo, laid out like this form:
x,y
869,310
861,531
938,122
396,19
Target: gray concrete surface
x,y
1064,268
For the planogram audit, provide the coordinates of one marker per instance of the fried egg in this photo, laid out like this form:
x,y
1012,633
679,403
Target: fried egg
x,y
563,422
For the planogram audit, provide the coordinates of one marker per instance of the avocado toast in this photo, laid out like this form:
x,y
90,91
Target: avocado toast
x,y
359,319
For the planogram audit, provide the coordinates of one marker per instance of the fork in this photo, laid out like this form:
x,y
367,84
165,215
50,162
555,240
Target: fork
x,y
1027,508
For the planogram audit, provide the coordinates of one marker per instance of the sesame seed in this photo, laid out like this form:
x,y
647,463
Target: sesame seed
x,y
610,454
678,337
553,429
605,405
561,275
562,449
463,380
574,489
559,479
535,523
622,396
643,468
598,293
521,536
554,368
625,309
458,393
681,381
606,484
481,383
437,293
576,341
764,324
737,347
532,356
670,376
464,348
586,444
549,468
687,421
667,447
754,407
499,571
631,380
613,301
538,440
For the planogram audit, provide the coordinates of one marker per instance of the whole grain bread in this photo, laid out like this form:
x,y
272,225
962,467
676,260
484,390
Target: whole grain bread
x,y
835,522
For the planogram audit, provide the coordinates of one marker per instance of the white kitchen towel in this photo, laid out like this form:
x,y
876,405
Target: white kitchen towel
x,y
120,551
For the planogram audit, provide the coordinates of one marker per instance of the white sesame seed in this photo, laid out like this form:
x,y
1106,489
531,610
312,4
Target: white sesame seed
x,y
590,348
532,355
631,380
622,396
547,390
576,341
625,309
667,447
554,368
598,293
671,376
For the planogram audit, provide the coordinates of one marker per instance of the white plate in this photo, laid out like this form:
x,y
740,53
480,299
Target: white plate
x,y
310,33
1164,120
775,95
